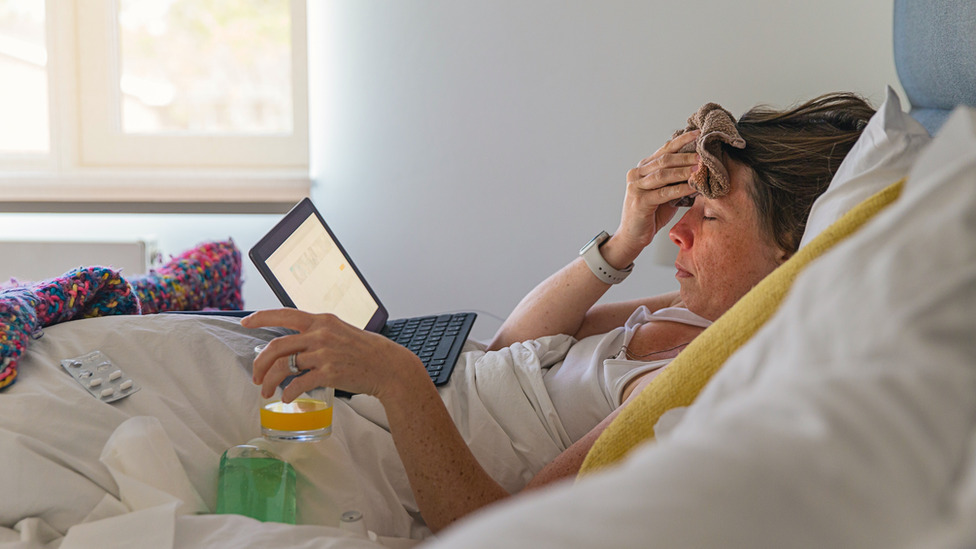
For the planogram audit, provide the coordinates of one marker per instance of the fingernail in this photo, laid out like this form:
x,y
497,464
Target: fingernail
x,y
695,168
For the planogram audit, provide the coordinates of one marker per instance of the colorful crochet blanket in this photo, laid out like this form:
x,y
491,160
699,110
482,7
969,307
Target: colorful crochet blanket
x,y
205,277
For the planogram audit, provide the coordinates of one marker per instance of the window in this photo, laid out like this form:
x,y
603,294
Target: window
x,y
153,100
23,58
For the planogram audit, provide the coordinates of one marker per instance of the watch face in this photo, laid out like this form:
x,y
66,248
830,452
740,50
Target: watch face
x,y
596,240
587,245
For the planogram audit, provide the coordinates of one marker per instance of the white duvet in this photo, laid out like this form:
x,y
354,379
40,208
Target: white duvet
x,y
66,474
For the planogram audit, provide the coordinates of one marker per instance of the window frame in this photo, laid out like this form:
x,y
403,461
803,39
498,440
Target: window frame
x,y
91,162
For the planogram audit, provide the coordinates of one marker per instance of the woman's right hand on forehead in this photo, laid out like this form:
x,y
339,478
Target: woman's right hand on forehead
x,y
651,186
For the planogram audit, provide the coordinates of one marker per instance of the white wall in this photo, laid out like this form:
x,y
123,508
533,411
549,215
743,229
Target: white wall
x,y
173,234
465,149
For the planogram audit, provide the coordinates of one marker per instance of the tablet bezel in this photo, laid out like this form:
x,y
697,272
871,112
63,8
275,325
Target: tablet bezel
x,y
275,237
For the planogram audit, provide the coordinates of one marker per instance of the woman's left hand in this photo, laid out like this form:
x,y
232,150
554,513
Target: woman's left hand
x,y
332,353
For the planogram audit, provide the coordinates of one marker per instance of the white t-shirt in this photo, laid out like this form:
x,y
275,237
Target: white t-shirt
x,y
587,385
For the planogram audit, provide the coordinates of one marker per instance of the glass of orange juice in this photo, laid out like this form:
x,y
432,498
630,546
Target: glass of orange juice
x,y
305,419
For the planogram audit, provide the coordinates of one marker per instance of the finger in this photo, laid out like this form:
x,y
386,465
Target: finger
x,y
269,355
296,387
678,190
665,177
681,141
684,196
272,362
669,160
664,196
672,146
311,376
274,377
286,318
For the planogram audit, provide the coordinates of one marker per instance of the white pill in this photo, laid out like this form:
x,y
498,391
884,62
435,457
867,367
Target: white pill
x,y
95,382
127,384
107,392
115,375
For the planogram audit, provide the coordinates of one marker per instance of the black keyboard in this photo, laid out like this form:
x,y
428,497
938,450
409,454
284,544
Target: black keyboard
x,y
436,339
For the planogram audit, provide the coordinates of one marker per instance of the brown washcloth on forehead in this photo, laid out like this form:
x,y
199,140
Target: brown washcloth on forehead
x,y
717,126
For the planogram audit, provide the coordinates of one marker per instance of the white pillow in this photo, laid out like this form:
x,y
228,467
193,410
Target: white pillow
x,y
884,153
844,422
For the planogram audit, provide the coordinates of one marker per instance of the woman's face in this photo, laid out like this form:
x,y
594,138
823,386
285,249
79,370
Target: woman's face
x,y
722,253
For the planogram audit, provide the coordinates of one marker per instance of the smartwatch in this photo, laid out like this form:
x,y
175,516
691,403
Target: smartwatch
x,y
594,260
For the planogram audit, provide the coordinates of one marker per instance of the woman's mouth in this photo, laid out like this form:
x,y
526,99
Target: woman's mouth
x,y
681,273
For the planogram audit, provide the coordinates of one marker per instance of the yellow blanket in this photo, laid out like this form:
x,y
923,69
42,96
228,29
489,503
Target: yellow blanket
x,y
680,383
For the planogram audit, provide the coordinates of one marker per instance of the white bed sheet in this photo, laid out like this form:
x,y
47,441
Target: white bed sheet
x,y
196,383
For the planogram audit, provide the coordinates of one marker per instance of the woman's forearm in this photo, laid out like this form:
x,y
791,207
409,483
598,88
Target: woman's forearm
x,y
559,305
446,479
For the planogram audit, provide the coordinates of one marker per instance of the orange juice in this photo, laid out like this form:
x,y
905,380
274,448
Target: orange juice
x,y
303,420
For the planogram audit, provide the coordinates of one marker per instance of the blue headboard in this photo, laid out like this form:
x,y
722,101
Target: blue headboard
x,y
935,55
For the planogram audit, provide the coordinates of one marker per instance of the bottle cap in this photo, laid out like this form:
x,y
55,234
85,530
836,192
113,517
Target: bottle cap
x,y
352,521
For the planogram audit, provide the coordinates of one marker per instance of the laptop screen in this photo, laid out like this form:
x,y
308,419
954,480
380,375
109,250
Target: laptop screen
x,y
308,269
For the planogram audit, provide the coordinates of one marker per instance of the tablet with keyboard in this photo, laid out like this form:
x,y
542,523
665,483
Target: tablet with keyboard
x,y
307,268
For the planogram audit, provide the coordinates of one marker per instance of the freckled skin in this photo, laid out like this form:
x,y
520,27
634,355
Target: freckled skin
x,y
724,257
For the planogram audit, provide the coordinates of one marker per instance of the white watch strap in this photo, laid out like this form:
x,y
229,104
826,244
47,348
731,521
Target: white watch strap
x,y
598,265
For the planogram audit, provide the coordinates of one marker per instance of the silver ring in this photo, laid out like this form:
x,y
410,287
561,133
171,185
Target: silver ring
x,y
293,364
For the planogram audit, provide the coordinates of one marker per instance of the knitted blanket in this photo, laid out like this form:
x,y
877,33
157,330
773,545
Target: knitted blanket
x,y
205,277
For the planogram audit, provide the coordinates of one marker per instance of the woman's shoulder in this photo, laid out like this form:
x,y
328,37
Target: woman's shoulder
x,y
662,333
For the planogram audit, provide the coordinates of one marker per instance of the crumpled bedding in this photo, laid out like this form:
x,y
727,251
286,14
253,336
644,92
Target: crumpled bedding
x,y
207,276
196,384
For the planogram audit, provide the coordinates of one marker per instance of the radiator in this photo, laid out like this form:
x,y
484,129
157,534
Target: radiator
x,y
29,261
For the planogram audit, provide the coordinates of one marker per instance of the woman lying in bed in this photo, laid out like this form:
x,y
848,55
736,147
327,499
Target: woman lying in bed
x,y
726,245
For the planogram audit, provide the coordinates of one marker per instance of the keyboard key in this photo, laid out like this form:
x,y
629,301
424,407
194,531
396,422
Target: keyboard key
x,y
431,338
443,348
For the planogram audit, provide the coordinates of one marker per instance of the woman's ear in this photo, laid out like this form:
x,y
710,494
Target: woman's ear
x,y
783,255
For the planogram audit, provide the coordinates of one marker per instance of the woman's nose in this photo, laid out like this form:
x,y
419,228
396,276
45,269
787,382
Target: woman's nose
x,y
681,233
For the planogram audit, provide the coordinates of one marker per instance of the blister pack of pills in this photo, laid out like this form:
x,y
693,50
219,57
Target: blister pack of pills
x,y
96,372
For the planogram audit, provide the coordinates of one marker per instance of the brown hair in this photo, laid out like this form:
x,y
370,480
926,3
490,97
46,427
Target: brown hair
x,y
794,154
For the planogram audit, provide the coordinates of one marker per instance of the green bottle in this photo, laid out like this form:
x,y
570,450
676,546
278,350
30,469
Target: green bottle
x,y
253,481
